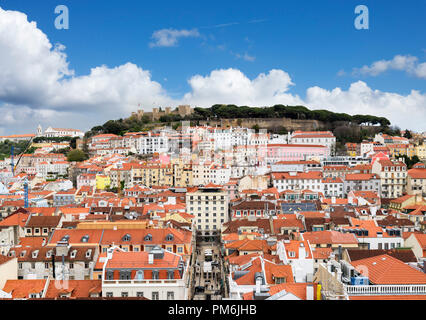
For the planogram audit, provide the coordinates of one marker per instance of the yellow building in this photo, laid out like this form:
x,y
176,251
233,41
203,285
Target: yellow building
x,y
420,151
150,175
402,149
182,174
102,182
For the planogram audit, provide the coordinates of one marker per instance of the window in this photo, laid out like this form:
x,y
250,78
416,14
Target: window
x,y
155,274
71,265
155,295
170,295
124,294
139,294
46,265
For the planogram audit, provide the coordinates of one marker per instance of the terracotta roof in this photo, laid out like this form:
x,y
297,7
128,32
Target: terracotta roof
x,y
300,175
405,255
4,259
272,271
330,237
421,238
132,260
233,226
23,288
384,269
402,199
25,254
15,219
417,173
321,253
77,288
360,176
298,289
43,221
287,223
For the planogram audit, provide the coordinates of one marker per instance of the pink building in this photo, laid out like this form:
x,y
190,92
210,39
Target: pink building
x,y
295,152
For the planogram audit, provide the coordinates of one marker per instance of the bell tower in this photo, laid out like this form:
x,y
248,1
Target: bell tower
x,y
39,131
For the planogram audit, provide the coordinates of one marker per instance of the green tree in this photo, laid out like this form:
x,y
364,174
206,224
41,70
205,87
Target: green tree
x,y
76,155
408,134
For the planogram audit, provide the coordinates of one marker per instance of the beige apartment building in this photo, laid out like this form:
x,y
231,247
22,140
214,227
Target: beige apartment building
x,y
209,205
393,175
416,180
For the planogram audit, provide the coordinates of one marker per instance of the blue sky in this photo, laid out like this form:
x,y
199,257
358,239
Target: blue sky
x,y
312,41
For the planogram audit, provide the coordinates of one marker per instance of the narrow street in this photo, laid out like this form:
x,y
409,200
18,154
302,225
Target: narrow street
x,y
208,278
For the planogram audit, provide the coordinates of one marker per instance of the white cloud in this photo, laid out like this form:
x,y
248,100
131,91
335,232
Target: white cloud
x,y
35,73
30,66
245,57
37,86
361,99
232,86
170,37
405,63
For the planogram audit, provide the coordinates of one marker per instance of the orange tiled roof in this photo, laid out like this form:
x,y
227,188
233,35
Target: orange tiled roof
x,y
77,288
23,288
330,237
417,173
298,289
385,269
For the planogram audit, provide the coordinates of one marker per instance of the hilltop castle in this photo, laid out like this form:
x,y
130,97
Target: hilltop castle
x,y
183,110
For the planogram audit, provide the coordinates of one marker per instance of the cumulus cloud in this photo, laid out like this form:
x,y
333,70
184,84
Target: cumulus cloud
x,y
36,73
37,86
232,86
170,37
407,63
30,65
361,99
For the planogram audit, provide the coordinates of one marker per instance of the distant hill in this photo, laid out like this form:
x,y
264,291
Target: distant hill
x,y
278,119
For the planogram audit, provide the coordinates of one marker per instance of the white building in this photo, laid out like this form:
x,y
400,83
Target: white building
x,y
63,132
156,275
152,143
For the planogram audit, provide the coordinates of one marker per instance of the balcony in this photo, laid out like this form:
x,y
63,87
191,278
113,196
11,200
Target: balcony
x,y
377,290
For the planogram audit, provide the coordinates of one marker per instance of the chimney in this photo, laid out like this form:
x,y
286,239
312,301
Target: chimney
x,y
109,253
310,292
150,258
302,251
258,284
